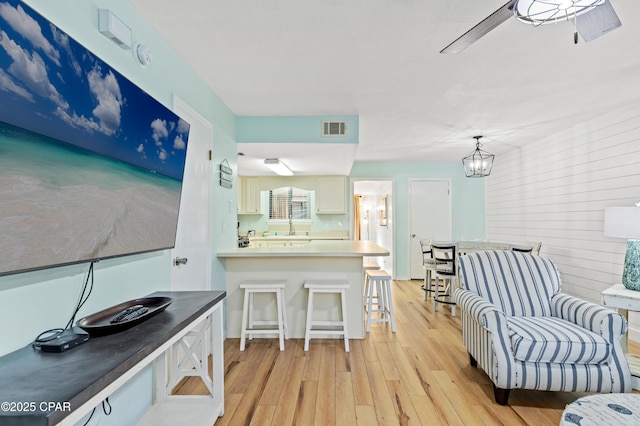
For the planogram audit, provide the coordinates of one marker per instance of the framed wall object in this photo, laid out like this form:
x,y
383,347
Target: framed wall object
x,y
382,209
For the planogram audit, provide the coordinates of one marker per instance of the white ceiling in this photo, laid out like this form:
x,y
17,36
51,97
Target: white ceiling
x,y
379,59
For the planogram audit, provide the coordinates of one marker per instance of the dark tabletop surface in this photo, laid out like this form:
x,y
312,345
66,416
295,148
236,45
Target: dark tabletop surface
x,y
74,376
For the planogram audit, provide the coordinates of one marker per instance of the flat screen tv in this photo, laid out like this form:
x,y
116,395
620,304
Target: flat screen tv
x,y
91,166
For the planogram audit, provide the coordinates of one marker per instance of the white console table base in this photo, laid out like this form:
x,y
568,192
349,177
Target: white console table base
x,y
625,300
204,333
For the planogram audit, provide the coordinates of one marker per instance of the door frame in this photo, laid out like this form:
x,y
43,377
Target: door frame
x,y
391,219
186,112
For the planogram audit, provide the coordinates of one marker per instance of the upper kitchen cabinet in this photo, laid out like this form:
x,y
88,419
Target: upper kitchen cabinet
x,y
248,195
331,195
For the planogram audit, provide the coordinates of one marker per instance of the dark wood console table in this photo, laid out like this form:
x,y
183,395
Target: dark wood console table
x,y
61,388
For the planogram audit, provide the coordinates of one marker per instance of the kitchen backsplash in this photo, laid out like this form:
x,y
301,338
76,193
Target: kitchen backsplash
x,y
319,223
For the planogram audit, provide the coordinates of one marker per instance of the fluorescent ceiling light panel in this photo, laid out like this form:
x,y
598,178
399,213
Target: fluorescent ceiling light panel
x,y
112,27
278,167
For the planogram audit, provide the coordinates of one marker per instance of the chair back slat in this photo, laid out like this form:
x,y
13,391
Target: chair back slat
x,y
425,246
445,255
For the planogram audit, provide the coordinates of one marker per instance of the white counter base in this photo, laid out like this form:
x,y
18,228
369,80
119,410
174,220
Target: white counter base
x,y
295,271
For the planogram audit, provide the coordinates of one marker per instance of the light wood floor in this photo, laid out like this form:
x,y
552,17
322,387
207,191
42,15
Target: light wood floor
x,y
419,375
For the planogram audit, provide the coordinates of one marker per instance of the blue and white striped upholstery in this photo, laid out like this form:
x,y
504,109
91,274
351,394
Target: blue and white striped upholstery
x,y
550,339
518,283
525,334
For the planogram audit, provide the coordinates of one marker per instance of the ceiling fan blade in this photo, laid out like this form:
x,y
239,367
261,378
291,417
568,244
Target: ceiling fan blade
x,y
486,25
597,22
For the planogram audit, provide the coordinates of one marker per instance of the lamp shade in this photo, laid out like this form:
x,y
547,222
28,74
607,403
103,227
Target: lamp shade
x,y
622,222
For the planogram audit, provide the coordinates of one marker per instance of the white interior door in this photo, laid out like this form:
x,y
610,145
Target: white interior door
x,y
194,239
429,216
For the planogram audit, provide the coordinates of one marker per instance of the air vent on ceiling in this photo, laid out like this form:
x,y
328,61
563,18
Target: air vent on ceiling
x,y
334,128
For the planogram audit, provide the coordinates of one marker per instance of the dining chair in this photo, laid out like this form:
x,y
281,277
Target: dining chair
x,y
445,255
429,266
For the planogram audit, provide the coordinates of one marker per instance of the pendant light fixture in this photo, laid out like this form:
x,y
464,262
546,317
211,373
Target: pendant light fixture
x,y
479,162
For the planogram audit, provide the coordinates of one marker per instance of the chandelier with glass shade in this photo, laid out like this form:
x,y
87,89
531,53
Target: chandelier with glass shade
x,y
479,162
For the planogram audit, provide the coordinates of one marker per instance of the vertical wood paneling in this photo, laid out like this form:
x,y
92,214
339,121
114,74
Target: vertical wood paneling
x,y
555,191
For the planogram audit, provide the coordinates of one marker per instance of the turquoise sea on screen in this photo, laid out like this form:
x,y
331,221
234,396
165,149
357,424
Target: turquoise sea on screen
x,y
62,204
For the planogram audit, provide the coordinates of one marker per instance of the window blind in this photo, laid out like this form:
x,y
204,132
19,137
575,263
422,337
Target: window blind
x,y
288,203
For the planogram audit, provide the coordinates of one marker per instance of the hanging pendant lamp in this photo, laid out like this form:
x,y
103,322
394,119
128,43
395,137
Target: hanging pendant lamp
x,y
479,162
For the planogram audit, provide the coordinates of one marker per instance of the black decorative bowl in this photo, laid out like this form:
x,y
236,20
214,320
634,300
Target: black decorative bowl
x,y
99,324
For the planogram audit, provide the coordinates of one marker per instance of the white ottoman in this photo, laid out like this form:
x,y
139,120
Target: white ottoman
x,y
603,409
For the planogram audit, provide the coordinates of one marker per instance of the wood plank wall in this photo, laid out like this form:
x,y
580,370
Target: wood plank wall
x,y
555,191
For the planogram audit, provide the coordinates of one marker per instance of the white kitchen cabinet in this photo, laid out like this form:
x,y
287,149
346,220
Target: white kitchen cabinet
x,y
279,243
248,195
331,195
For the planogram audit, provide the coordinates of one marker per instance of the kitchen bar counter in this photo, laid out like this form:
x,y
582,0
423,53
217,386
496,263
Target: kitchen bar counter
x,y
315,248
317,260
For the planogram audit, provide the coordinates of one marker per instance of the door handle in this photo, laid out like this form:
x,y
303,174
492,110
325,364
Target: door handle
x,y
413,235
180,261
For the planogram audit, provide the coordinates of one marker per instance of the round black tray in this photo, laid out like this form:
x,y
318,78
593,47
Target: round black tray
x,y
99,324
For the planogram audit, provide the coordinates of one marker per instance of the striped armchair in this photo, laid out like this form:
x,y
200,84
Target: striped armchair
x,y
525,334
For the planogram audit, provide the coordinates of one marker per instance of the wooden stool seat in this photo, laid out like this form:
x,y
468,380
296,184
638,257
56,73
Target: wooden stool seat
x,y
316,327
250,326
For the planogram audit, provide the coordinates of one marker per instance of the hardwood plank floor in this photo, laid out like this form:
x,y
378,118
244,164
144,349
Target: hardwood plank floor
x,y
419,375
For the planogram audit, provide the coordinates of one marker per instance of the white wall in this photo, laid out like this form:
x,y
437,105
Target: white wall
x,y
555,191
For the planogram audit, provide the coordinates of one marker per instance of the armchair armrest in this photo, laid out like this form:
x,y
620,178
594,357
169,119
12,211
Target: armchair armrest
x,y
484,312
603,321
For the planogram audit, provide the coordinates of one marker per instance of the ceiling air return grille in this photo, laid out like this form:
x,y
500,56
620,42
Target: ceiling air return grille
x,y
334,128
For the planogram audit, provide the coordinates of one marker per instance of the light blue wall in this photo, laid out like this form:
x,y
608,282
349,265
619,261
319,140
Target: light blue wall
x,y
224,220
293,129
135,276
467,199
45,299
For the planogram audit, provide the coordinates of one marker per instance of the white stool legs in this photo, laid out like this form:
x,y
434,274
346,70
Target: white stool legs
x,y
367,266
249,323
327,327
379,281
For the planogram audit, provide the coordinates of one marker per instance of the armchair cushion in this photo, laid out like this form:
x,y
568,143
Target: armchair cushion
x,y
553,340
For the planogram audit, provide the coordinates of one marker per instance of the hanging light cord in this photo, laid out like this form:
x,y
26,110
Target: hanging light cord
x,y
575,24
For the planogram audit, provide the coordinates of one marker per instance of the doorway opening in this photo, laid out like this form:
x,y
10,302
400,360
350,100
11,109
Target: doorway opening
x,y
373,218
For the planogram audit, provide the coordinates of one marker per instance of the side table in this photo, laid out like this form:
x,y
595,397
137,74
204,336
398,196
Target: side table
x,y
625,300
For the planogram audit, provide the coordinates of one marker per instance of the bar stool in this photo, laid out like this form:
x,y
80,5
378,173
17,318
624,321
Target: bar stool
x,y
367,266
249,324
327,287
429,265
380,281
446,256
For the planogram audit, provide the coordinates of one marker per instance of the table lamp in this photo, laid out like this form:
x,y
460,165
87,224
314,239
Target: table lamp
x,y
624,222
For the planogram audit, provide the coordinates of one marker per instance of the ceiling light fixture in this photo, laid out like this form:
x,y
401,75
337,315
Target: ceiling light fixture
x,y
278,167
479,162
538,12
